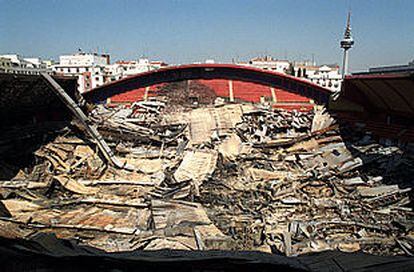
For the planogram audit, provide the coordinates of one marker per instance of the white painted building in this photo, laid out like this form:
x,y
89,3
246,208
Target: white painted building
x,y
5,65
94,70
88,67
84,59
16,64
113,72
327,76
122,69
268,63
139,66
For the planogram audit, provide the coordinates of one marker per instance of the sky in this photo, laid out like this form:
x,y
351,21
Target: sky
x,y
185,31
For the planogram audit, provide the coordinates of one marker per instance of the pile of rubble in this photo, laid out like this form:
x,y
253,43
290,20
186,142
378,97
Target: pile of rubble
x,y
185,94
233,177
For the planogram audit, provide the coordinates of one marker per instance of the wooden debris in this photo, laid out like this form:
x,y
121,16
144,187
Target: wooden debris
x,y
231,177
196,166
74,186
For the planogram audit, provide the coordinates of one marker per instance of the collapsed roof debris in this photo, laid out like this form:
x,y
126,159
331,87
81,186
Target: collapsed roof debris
x,y
186,93
231,177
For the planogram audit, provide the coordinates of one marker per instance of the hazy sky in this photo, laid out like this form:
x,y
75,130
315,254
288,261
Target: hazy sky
x,y
184,31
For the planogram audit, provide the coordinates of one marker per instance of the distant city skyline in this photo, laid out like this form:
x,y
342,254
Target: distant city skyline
x,y
189,31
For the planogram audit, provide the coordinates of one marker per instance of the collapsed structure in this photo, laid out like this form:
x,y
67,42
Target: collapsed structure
x,y
188,171
229,177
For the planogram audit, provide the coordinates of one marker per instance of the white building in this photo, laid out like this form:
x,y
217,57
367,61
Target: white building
x,y
94,70
16,64
268,63
5,65
158,64
140,66
122,69
88,67
113,72
327,76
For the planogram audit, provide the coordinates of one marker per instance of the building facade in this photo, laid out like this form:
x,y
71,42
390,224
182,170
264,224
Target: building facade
x,y
88,67
268,63
16,64
123,69
404,68
327,76
5,65
94,70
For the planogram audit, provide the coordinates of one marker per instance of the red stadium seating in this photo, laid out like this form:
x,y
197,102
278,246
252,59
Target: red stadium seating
x,y
242,90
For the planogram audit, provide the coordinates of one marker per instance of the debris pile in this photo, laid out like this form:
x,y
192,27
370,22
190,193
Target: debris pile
x,y
234,177
186,94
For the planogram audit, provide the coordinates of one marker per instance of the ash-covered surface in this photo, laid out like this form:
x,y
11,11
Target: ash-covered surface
x,y
185,94
232,177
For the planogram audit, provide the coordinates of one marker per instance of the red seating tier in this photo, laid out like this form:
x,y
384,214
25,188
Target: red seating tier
x,y
242,90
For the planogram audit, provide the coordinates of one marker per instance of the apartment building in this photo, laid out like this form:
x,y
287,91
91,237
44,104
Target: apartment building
x,y
88,67
327,76
16,64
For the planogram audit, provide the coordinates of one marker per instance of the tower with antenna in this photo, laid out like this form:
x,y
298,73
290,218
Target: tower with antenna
x,y
346,43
